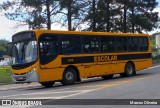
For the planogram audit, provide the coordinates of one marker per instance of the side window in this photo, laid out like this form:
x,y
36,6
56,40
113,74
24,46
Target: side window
x,y
90,44
48,48
145,47
124,44
132,44
143,43
71,44
120,44
107,44
104,44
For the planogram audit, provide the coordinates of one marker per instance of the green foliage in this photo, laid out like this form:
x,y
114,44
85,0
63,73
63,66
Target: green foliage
x,y
75,14
4,47
3,44
32,12
153,39
5,75
100,15
153,42
139,15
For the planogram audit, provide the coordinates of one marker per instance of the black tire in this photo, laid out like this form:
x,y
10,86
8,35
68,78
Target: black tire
x,y
69,76
107,77
47,84
129,70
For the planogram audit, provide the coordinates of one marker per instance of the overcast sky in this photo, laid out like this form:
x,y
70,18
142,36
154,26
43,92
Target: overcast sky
x,y
7,27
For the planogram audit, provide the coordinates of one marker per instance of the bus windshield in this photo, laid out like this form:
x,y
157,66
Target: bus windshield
x,y
24,52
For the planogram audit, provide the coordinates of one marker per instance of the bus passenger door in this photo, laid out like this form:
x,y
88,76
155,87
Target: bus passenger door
x,y
49,62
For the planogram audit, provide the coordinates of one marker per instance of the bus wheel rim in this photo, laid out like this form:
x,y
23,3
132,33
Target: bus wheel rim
x,y
69,76
129,69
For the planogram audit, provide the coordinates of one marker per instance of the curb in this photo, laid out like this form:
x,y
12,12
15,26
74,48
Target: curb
x,y
17,86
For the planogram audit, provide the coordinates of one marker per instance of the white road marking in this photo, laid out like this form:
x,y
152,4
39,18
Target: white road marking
x,y
46,92
154,67
35,93
151,67
61,97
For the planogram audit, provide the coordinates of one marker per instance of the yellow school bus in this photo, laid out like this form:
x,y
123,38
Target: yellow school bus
x,y
48,56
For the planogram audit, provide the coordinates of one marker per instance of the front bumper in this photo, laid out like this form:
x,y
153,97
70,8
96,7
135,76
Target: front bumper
x,y
28,77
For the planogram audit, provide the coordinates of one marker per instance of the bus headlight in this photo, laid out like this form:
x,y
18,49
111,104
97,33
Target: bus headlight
x,y
33,75
33,70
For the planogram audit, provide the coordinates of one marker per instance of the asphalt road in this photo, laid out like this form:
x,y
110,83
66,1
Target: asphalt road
x,y
145,85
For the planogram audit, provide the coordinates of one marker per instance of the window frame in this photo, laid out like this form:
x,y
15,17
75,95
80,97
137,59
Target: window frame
x,y
50,57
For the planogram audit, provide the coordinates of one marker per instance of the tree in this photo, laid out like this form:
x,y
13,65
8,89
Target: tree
x,y
36,13
106,14
138,15
76,10
97,15
94,17
3,44
144,18
69,10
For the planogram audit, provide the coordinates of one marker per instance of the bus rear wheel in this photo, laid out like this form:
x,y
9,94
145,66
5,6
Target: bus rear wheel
x,y
107,77
47,84
129,70
69,76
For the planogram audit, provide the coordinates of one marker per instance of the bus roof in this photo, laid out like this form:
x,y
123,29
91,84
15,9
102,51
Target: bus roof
x,y
85,33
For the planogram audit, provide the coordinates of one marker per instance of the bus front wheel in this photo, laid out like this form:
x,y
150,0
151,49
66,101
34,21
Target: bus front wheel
x,y
47,84
129,70
69,76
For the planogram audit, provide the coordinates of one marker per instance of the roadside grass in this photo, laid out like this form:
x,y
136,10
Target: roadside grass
x,y
5,75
